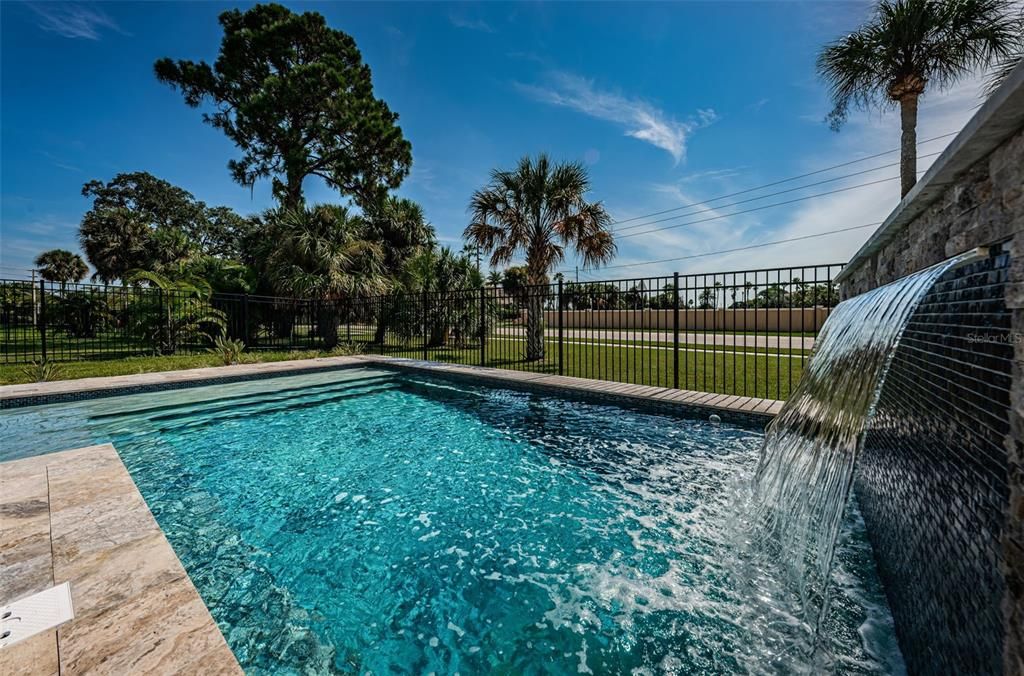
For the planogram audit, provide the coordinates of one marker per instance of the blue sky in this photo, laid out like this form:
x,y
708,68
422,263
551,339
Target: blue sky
x,y
667,104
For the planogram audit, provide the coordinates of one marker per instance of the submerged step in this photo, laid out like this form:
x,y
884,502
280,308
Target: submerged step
x,y
201,418
282,393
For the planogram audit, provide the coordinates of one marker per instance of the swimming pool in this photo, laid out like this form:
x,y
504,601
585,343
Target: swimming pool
x,y
368,520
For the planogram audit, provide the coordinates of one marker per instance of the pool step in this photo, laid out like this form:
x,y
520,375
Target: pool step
x,y
266,396
193,418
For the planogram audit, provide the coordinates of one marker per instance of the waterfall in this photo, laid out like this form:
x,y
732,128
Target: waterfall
x,y
810,450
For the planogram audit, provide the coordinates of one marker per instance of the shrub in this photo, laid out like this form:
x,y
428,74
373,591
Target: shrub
x,y
347,349
230,351
509,312
42,371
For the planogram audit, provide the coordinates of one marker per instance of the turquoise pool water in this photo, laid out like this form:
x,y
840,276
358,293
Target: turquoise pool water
x,y
366,521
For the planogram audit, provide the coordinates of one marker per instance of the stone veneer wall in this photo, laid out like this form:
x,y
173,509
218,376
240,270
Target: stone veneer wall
x,y
983,207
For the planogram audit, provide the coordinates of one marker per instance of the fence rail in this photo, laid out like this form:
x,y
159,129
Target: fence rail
x,y
744,332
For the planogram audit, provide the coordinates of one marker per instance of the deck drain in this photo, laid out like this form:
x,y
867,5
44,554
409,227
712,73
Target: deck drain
x,y
35,614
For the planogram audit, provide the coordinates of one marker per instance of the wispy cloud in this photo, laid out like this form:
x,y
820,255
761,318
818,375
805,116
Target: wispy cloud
x,y
59,162
642,120
756,106
460,21
73,20
712,175
865,134
401,45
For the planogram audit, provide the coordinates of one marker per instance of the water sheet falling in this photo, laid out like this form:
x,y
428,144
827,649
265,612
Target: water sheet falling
x,y
810,450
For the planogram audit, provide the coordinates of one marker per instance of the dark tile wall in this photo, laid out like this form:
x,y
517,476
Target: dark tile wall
x,y
933,480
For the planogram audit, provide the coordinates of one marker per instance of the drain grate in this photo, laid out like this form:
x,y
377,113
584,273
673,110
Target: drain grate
x,y
35,614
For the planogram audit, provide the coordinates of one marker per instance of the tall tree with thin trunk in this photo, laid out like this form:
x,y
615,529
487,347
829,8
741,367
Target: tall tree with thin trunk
x,y
539,209
907,47
297,99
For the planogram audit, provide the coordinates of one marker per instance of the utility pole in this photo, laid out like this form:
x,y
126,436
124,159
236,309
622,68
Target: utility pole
x,y
577,274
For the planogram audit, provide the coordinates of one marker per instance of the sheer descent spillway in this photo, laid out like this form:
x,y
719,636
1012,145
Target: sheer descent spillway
x,y
810,451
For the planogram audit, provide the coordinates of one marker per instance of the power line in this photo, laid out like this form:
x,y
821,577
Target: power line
x,y
771,194
743,248
781,181
762,207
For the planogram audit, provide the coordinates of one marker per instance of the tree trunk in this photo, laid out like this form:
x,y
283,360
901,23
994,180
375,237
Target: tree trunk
x,y
327,326
536,280
292,199
289,191
535,325
908,142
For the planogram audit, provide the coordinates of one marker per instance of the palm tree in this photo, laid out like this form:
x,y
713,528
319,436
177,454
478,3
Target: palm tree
x,y
403,232
400,227
1001,71
179,312
115,241
451,280
319,253
60,265
538,210
907,46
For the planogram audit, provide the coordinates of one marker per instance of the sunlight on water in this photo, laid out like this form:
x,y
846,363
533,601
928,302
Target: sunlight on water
x,y
807,462
368,521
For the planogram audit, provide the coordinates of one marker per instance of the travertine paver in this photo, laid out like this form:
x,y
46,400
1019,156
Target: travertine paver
x,y
25,563
77,516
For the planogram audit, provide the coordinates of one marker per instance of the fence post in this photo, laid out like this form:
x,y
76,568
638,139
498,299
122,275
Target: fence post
x,y
426,333
483,326
675,330
561,367
245,320
42,316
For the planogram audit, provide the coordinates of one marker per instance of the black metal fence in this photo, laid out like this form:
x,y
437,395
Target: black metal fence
x,y
745,332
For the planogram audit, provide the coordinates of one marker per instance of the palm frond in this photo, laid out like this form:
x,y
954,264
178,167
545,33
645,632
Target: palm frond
x,y
910,44
538,210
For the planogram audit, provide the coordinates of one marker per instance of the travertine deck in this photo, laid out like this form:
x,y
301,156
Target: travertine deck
x,y
77,516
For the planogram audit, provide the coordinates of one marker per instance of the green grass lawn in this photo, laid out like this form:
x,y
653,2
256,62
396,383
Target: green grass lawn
x,y
11,374
701,368
704,368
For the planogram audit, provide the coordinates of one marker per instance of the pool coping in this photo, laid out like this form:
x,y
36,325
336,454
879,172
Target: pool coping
x,y
683,401
687,402
78,516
